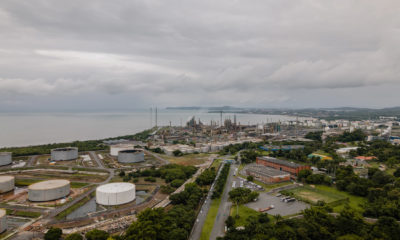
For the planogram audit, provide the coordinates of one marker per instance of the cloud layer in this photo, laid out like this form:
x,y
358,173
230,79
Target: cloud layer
x,y
264,53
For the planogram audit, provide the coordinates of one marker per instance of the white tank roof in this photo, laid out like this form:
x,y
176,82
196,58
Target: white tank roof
x,y
115,187
50,184
6,178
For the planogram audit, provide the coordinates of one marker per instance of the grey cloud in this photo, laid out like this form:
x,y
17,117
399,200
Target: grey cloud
x,y
198,52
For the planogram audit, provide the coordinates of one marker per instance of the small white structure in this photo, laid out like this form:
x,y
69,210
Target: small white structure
x,y
130,156
48,190
5,158
115,193
7,183
3,220
64,154
115,149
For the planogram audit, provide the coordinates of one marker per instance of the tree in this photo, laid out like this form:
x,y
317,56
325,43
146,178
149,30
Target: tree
x,y
122,173
230,222
74,236
397,172
250,178
53,234
177,153
317,136
96,234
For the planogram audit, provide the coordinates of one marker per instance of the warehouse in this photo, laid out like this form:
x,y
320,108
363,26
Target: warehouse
x,y
48,190
130,156
64,154
266,174
115,193
5,158
7,183
3,220
282,165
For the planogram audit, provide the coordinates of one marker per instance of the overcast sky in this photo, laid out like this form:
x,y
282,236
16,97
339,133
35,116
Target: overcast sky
x,y
75,54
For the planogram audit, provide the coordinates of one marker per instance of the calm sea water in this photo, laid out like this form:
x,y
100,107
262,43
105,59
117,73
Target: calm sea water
x,y
23,129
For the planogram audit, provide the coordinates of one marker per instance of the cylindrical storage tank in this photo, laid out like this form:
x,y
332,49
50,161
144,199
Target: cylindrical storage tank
x,y
5,158
7,183
3,220
115,149
48,190
130,156
115,193
64,154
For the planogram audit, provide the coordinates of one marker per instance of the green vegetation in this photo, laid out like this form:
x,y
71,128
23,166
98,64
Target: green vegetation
x,y
90,145
244,214
220,183
53,234
356,135
241,196
74,236
210,219
23,213
79,204
316,223
176,223
206,177
78,184
330,195
96,234
233,149
316,136
25,182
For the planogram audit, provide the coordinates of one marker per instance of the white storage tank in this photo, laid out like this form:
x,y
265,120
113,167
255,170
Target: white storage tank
x,y
115,193
7,183
114,149
48,190
130,156
64,154
3,220
5,158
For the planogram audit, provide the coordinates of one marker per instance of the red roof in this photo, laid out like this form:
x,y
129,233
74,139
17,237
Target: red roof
x,y
367,158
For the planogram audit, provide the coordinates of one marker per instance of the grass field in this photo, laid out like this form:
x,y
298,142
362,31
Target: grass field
x,y
210,218
188,159
244,213
326,194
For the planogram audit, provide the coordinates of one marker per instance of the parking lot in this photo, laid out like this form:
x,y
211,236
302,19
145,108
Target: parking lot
x,y
282,208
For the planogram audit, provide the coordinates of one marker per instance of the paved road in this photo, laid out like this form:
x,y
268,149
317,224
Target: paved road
x,y
201,217
31,160
224,208
97,159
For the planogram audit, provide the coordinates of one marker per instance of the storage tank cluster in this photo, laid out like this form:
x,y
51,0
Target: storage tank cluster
x,y
3,220
130,156
5,158
7,183
64,154
48,190
115,149
115,193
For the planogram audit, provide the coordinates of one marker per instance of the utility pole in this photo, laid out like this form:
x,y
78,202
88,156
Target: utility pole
x,y
151,117
156,117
